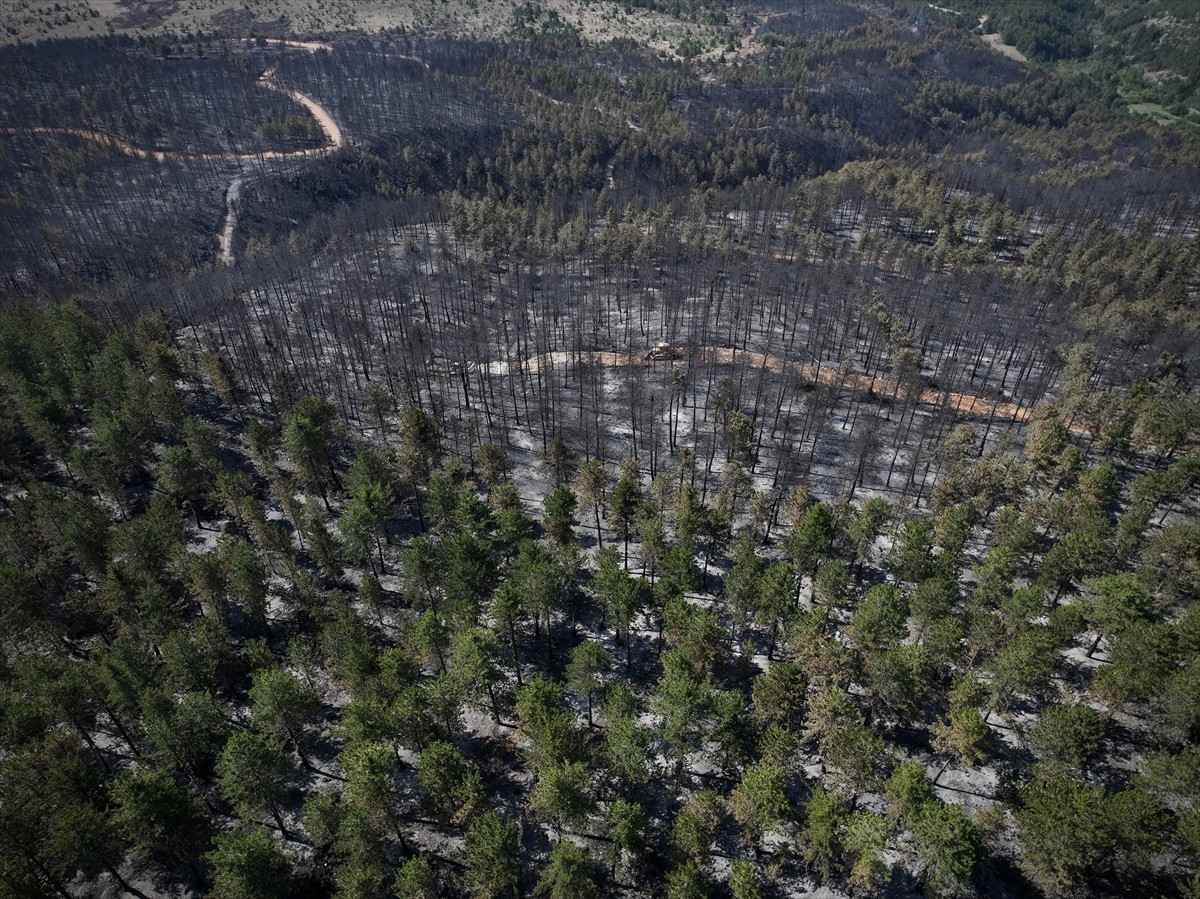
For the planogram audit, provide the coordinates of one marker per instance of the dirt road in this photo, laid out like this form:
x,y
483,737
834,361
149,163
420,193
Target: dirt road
x,y
333,133
329,126
334,139
232,194
965,403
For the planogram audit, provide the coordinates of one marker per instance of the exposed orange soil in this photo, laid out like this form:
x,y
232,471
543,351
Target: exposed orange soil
x,y
965,403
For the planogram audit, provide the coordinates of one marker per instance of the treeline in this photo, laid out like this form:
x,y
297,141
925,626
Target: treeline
x,y
259,656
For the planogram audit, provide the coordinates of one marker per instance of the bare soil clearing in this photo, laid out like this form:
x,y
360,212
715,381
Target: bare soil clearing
x,y
996,42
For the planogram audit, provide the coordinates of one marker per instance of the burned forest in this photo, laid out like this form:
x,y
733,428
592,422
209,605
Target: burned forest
x,y
696,449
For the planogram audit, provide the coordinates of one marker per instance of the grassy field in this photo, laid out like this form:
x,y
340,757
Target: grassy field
x,y
1162,116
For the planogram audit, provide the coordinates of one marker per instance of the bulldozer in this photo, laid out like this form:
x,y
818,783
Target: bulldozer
x,y
662,352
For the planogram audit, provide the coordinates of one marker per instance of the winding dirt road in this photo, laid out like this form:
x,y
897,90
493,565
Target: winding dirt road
x,y
967,404
964,403
333,133
334,139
